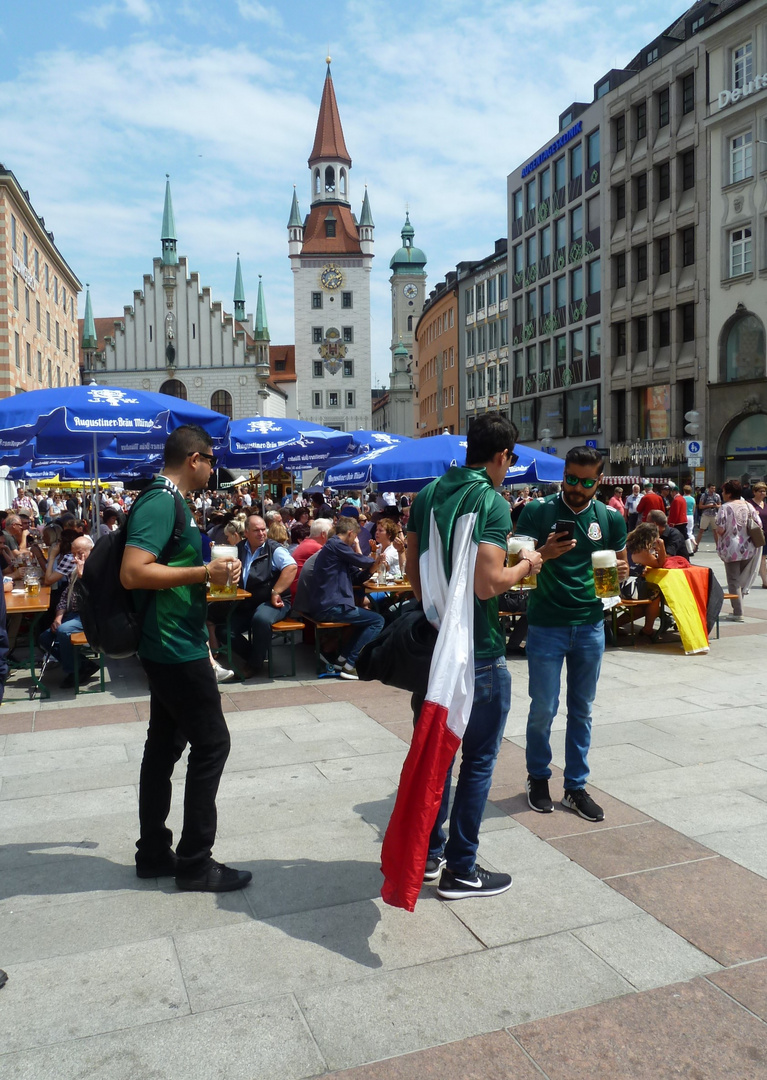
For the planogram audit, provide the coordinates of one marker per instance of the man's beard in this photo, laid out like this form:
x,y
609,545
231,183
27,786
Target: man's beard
x,y
578,500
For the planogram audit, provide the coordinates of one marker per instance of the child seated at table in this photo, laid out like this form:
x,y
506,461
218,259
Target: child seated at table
x,y
647,550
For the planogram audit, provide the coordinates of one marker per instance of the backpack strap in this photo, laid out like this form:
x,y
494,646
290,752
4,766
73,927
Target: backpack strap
x,y
160,484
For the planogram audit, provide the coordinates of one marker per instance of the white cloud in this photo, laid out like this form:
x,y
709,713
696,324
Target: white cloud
x,y
253,11
101,15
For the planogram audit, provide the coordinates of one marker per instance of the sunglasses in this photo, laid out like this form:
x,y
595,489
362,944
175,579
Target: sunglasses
x,y
208,457
513,458
588,484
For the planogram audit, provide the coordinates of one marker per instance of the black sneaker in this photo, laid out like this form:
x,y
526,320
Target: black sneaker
x,y
538,796
433,868
579,800
215,878
480,883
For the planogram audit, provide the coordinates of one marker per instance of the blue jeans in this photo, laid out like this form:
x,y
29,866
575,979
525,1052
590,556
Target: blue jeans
x,y
259,624
71,624
479,749
370,625
547,647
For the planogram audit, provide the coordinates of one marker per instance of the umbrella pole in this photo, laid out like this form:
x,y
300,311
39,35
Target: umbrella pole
x,y
261,480
96,500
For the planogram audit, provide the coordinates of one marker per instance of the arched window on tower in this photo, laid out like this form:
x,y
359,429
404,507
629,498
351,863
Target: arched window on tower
x,y
221,402
410,322
742,348
174,388
317,188
342,183
330,180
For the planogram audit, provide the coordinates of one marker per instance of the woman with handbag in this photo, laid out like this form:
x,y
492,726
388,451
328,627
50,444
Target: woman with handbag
x,y
759,503
736,522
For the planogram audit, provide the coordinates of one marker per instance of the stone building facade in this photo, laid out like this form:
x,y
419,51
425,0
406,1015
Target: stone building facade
x,y
483,302
437,365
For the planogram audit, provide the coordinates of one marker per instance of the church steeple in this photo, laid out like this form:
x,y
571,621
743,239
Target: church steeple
x,y
239,294
329,160
89,342
168,237
262,328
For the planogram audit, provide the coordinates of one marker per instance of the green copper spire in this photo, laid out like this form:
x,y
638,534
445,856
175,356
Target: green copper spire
x,y
168,237
408,259
295,215
89,342
262,329
366,218
239,293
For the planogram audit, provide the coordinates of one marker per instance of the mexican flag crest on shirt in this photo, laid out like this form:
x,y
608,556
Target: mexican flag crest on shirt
x,y
452,512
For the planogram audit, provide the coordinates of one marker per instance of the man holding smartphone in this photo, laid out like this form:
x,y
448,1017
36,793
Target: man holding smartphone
x,y
566,622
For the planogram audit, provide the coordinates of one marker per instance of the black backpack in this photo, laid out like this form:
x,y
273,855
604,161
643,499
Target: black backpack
x,y
109,617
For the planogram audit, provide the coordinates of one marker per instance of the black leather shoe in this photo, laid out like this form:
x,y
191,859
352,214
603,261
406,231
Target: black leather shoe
x,y
215,878
164,867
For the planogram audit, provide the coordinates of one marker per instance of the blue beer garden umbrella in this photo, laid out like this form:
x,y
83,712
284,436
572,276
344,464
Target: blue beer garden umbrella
x,y
264,442
411,465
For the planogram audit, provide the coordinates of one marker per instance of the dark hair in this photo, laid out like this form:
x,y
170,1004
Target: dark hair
x,y
585,456
489,435
114,512
183,441
299,533
345,525
642,538
733,488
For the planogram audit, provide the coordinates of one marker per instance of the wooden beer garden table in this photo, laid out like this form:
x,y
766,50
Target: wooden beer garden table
x,y
21,603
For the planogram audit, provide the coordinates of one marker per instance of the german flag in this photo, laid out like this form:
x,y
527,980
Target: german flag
x,y
685,592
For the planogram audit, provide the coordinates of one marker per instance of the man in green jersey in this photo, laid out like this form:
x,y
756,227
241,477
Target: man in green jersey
x,y
566,622
185,704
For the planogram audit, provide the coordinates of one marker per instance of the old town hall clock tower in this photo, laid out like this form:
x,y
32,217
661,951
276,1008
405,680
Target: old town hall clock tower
x,y
331,255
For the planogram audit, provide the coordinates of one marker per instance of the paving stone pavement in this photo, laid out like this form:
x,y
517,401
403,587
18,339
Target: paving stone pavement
x,y
634,948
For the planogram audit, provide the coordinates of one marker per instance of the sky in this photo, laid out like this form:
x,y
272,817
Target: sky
x,y
439,101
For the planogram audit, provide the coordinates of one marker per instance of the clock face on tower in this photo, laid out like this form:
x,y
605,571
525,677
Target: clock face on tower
x,y
410,290
331,278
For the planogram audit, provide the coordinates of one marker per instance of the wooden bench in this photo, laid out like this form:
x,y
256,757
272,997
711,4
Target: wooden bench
x,y
629,606
319,628
288,627
80,645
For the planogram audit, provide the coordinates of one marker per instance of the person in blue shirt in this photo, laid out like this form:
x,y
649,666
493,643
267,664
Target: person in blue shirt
x,y
333,595
268,571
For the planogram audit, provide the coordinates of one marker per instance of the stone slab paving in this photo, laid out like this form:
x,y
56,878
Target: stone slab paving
x,y
631,948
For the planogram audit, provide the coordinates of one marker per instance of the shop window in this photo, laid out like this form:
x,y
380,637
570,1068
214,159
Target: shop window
x,y
742,348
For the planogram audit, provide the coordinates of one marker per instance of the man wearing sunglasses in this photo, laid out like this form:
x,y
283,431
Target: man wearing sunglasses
x,y
166,569
566,622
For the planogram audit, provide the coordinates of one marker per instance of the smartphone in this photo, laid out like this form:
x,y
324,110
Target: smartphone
x,y
565,527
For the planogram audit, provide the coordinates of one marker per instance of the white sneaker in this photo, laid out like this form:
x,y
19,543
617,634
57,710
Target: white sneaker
x,y
734,618
349,672
222,674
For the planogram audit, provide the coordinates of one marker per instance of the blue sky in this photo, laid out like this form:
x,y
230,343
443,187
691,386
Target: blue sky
x,y
439,102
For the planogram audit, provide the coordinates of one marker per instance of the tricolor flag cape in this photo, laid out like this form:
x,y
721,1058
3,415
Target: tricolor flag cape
x,y
686,592
454,511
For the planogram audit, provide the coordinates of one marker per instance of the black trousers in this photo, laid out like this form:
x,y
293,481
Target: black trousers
x,y
185,707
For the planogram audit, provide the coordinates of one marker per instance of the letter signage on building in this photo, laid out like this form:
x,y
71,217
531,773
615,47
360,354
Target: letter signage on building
x,y
563,140
731,97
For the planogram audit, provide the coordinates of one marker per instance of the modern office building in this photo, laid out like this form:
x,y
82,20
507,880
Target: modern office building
x,y
38,299
483,301
437,367
637,245
331,256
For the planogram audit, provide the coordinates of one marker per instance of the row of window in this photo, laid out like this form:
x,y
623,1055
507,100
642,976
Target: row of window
x,y
553,352
437,363
487,381
440,325
333,399
554,178
28,355
347,300
318,334
685,315
490,336
563,238
661,183
25,246
38,318
318,369
635,122
485,293
638,257
430,403
571,413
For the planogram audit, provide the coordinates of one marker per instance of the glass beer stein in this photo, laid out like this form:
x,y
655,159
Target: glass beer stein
x,y
514,545
605,567
223,551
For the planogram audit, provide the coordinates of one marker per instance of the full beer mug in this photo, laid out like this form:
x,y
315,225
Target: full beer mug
x,y
605,567
223,551
514,545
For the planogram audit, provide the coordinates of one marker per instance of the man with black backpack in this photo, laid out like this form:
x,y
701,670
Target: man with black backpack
x,y
170,583
566,622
